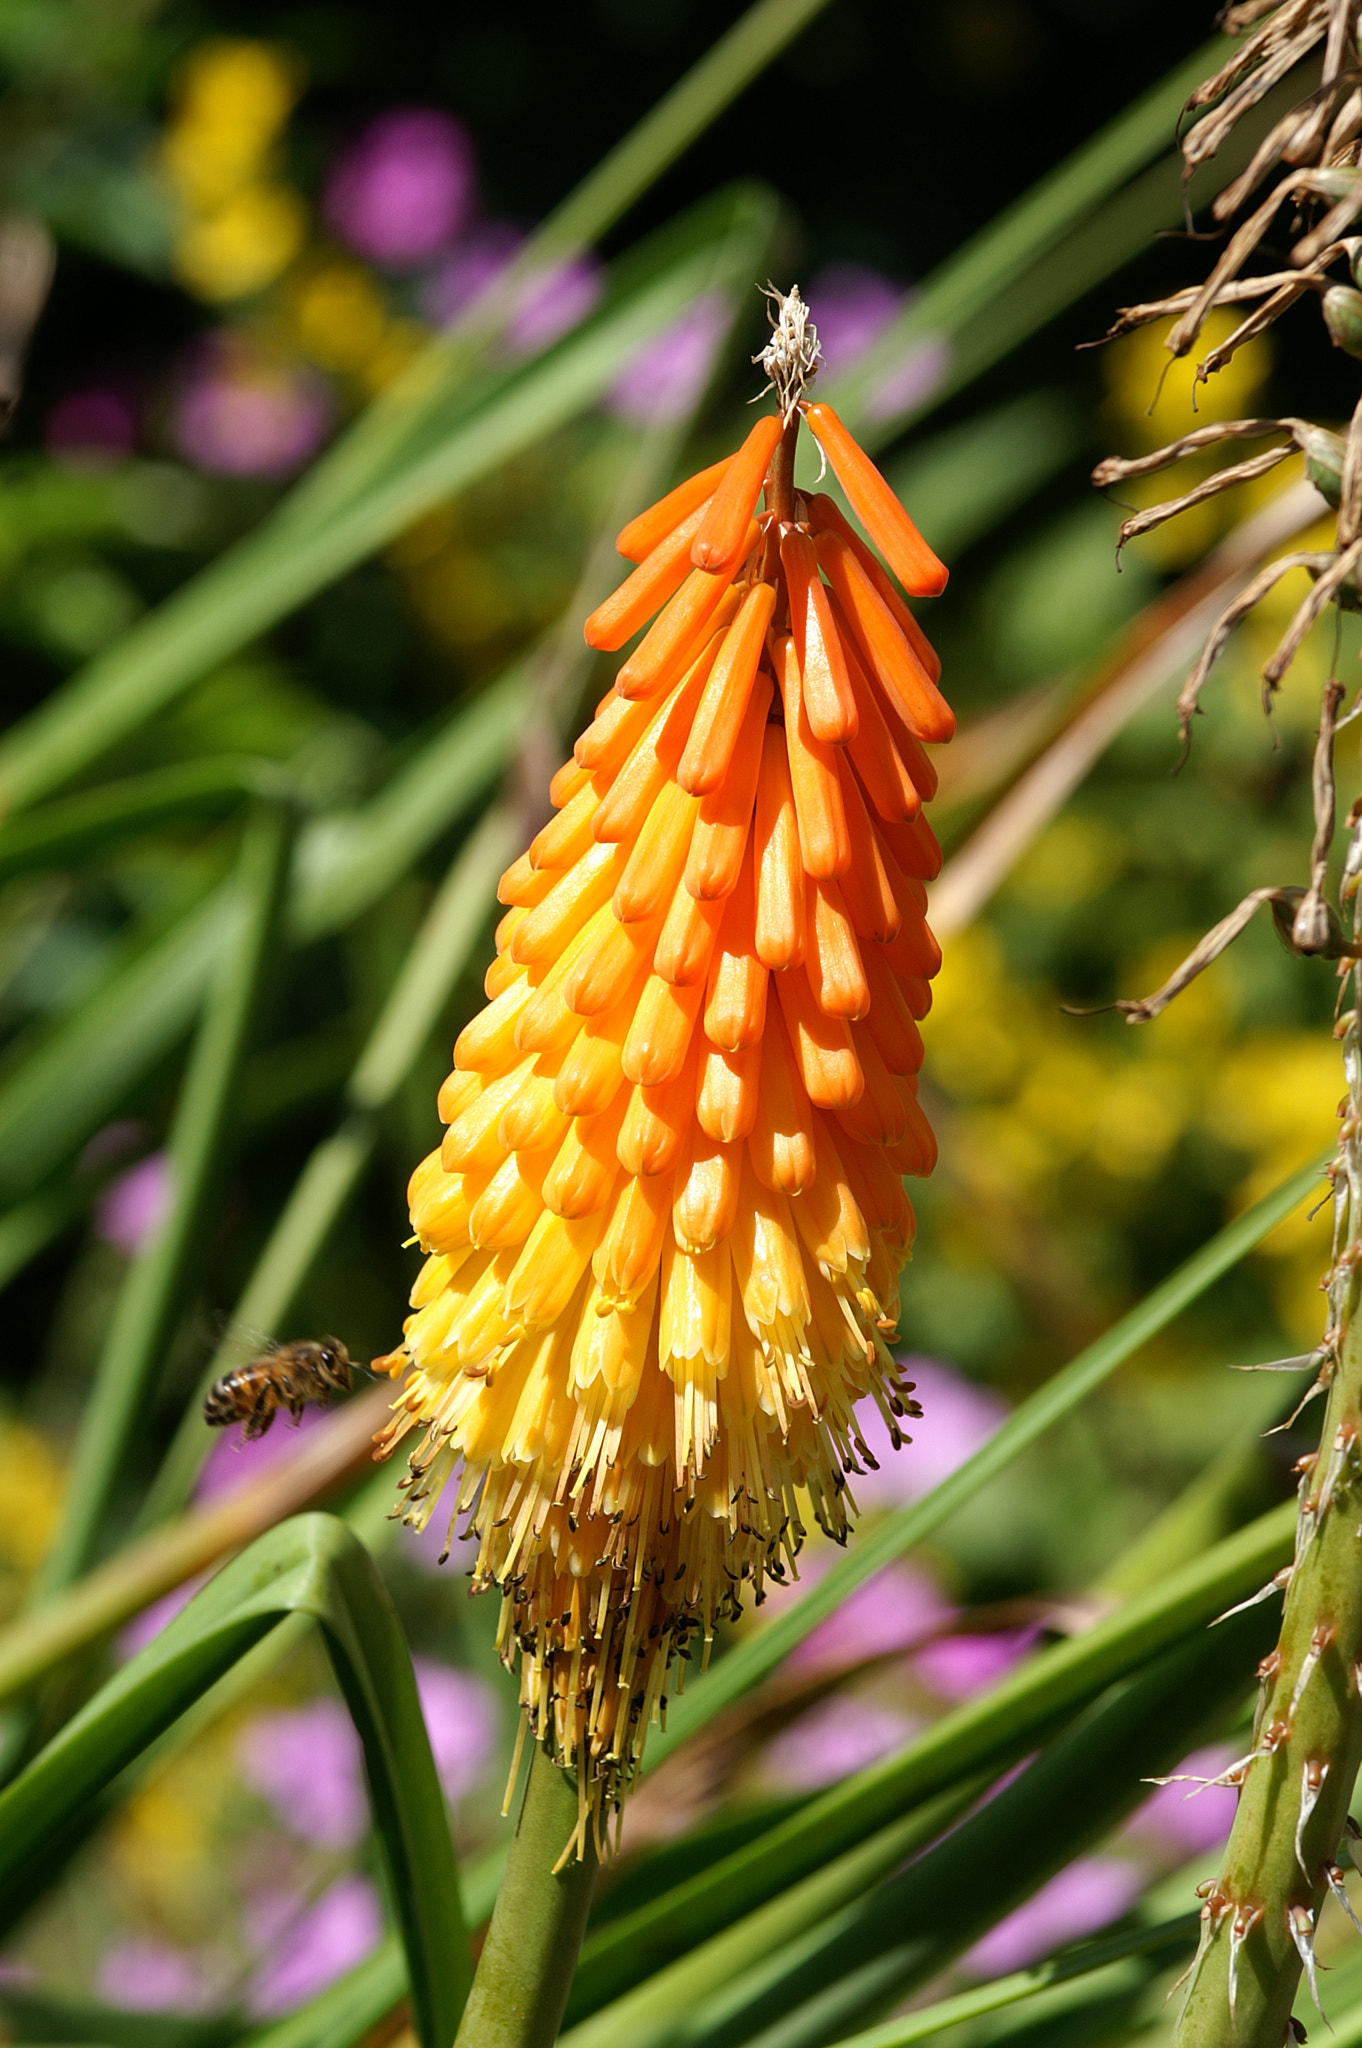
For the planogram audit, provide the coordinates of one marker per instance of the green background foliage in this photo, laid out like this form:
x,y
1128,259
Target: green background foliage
x,y
272,738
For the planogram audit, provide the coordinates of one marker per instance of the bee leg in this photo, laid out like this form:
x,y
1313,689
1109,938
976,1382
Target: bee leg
x,y
261,1416
295,1409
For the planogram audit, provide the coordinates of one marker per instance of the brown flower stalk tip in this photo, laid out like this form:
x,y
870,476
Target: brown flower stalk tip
x,y
665,1227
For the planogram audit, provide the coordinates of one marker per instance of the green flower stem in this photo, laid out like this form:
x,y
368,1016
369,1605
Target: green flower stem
x,y
525,1971
153,1294
1259,1918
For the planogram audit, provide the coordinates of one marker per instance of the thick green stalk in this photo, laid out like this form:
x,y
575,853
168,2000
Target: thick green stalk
x,y
1284,1853
525,1970
153,1294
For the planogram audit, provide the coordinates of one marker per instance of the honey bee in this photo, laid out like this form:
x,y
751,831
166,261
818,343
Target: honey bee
x,y
284,1376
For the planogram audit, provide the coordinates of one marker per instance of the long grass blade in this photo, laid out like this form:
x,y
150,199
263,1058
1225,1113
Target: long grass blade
x,y
153,1294
312,1565
968,292
858,1961
451,929
984,1734
276,568
604,196
79,826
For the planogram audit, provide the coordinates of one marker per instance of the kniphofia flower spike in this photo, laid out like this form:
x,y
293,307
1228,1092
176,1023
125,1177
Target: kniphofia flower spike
x,y
665,1227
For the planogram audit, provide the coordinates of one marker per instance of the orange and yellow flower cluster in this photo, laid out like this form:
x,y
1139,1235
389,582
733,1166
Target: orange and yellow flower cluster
x,y
666,1224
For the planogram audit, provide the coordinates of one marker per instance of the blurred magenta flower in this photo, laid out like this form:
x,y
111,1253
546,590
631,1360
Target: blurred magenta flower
x,y
898,1608
150,1976
307,1762
832,1740
850,305
233,1462
146,1626
342,1928
470,267
1088,1895
405,188
131,1206
552,302
94,425
548,302
959,1666
664,381
956,1418
461,1720
1181,1821
238,414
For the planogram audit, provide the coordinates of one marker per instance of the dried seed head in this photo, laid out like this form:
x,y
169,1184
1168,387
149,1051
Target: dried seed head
x,y
790,358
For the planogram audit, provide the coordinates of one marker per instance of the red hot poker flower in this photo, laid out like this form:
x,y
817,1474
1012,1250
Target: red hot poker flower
x,y
665,1227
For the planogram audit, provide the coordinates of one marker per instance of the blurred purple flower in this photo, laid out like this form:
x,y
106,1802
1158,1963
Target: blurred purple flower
x,y
552,302
893,1611
94,425
146,1626
240,415
234,1461
1187,1820
957,1417
461,1719
404,189
469,268
1089,1894
307,1762
851,306
149,1976
959,1666
665,379
909,385
547,303
832,1740
342,1928
131,1206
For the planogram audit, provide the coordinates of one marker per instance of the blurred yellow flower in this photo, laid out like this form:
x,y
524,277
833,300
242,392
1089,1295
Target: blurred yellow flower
x,y
30,1496
338,316
242,246
241,228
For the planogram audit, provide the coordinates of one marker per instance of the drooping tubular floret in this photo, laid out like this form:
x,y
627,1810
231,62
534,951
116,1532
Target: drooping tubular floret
x,y
665,1227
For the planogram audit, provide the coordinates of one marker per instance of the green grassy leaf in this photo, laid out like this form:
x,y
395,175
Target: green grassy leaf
x,y
282,563
154,1290
448,934
984,1734
967,299
78,826
312,1565
844,1967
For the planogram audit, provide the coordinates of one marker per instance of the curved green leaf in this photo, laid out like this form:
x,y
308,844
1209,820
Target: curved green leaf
x,y
984,1734
312,1565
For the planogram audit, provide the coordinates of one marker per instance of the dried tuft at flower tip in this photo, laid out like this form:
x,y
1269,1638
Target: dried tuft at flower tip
x,y
791,357
665,1227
